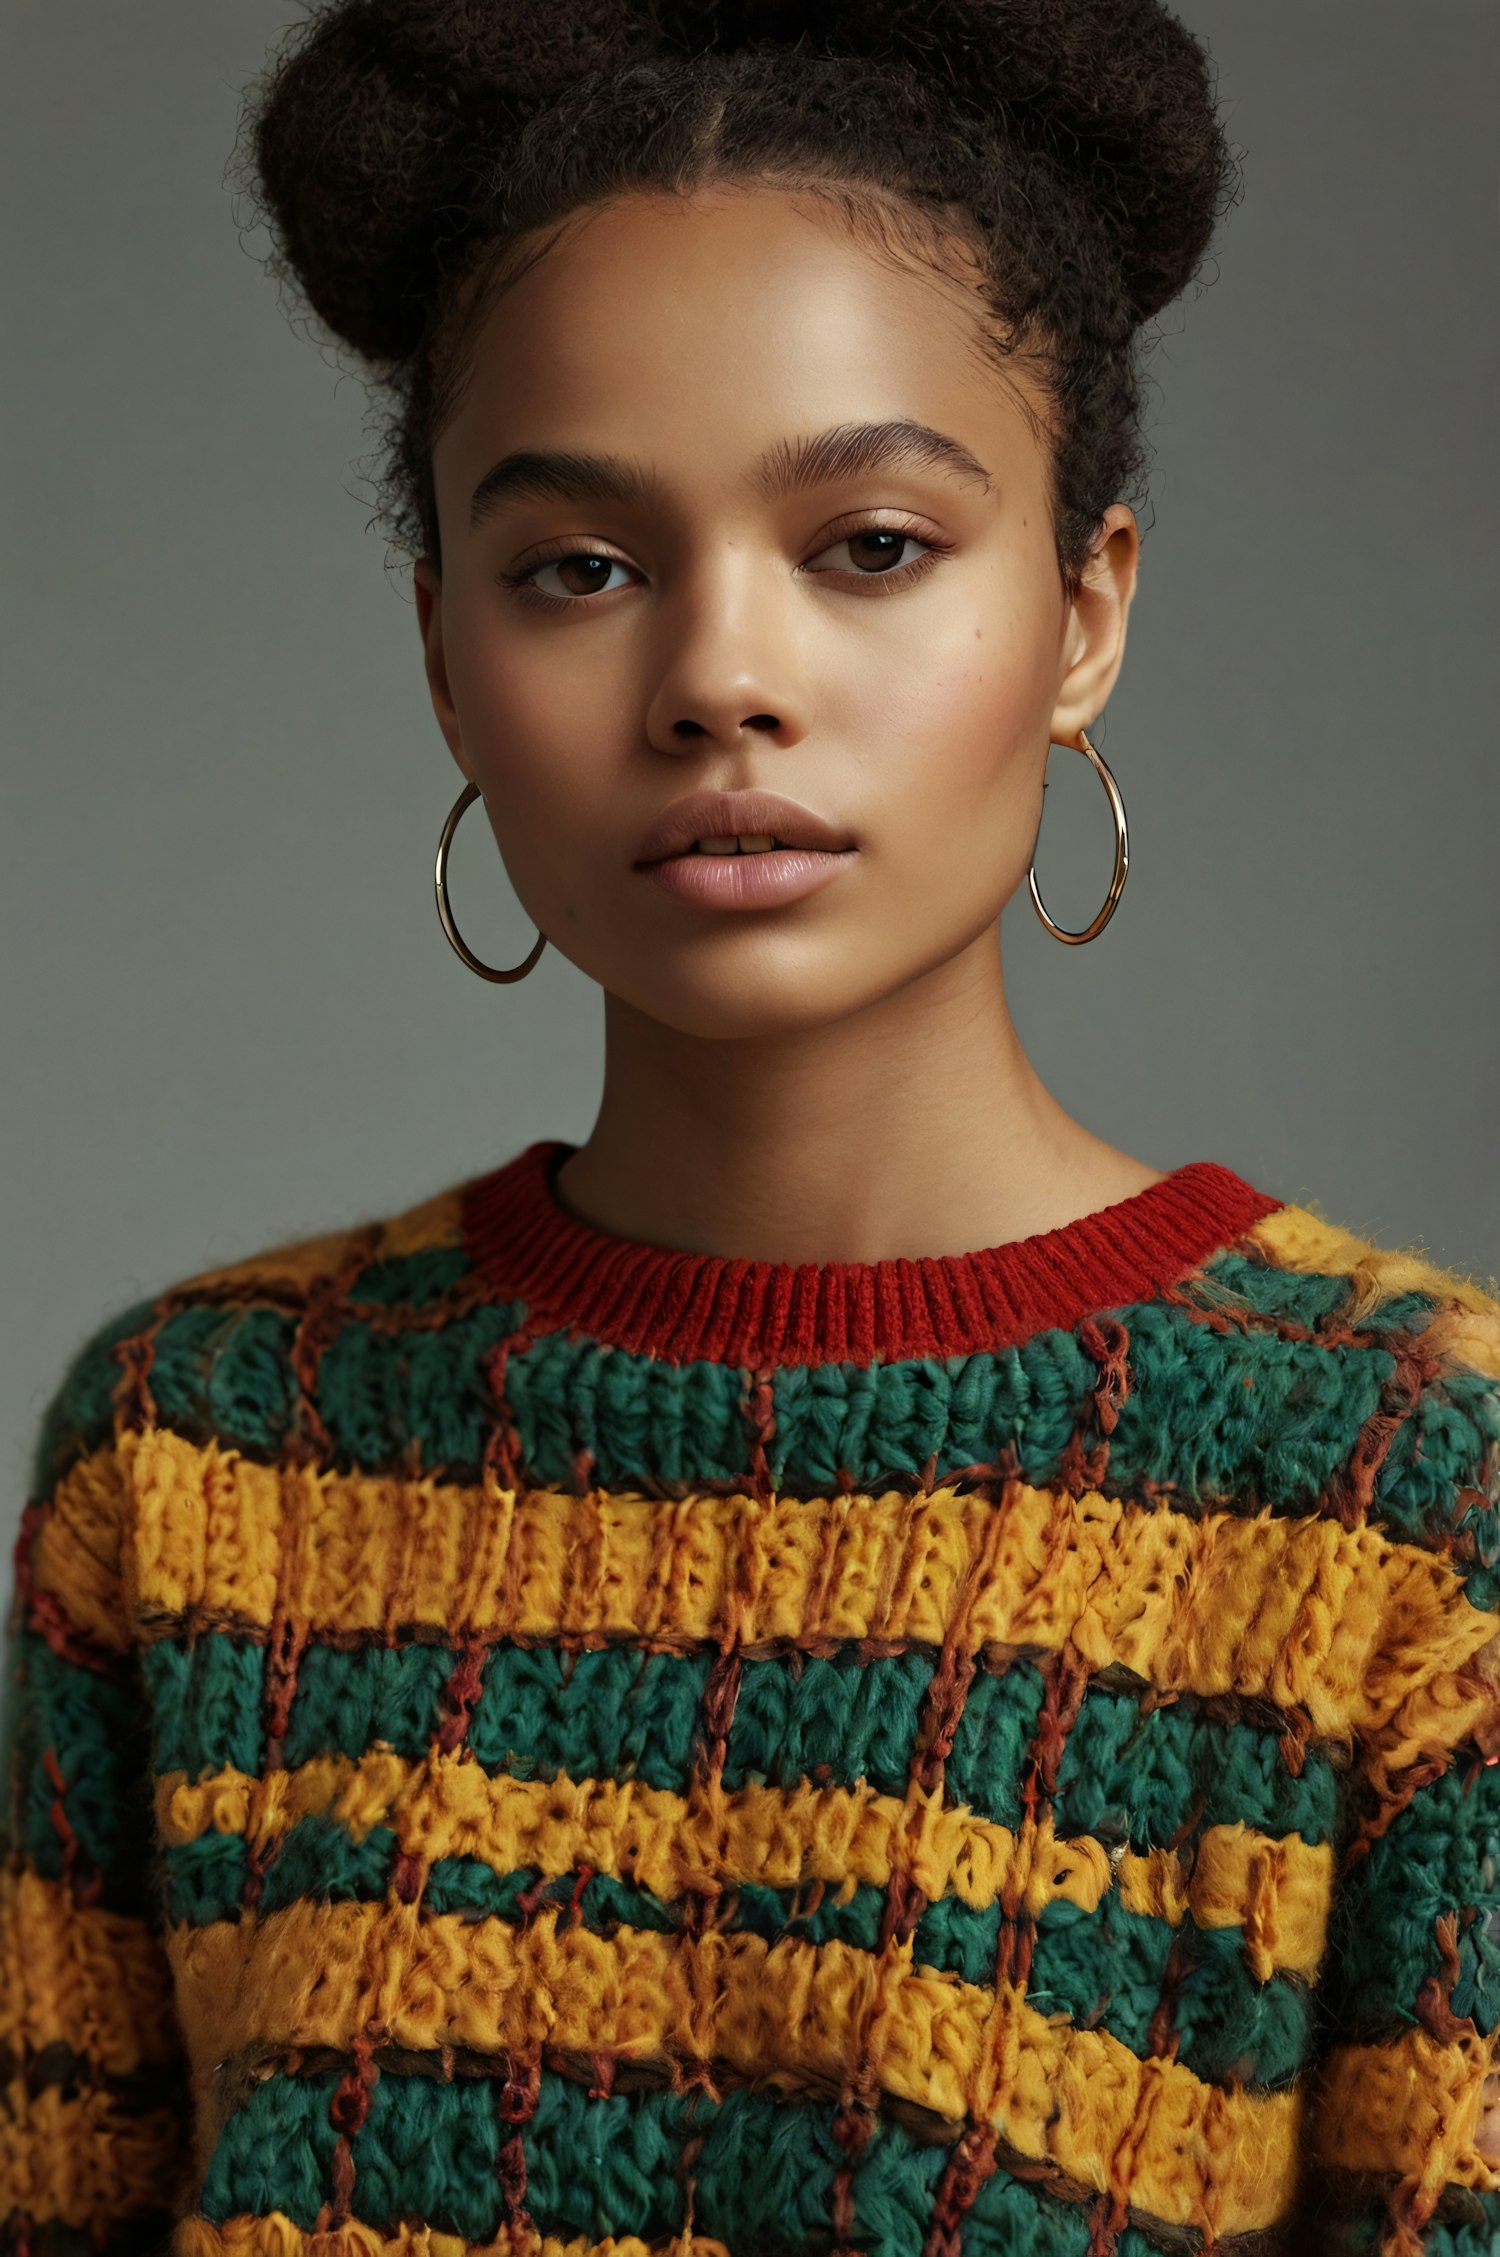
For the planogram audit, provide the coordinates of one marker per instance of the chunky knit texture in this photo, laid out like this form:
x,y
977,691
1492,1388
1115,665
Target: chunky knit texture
x,y
524,1741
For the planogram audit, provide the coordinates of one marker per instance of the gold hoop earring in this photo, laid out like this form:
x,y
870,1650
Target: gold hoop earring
x,y
1122,854
460,807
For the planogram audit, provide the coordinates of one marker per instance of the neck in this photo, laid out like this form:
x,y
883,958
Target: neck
x,y
913,1126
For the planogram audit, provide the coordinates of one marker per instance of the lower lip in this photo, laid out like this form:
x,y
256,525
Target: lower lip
x,y
748,881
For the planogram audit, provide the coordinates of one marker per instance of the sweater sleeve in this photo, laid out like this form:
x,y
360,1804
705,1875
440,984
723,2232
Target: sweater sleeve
x,y
1405,2113
94,2114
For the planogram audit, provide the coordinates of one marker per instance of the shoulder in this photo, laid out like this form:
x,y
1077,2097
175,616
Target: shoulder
x,y
218,1350
1391,1289
281,1357
1354,1379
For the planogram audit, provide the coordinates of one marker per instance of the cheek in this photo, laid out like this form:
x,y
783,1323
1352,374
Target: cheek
x,y
954,737
536,724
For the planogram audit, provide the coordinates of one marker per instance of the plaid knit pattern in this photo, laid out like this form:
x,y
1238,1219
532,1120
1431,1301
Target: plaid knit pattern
x,y
510,1748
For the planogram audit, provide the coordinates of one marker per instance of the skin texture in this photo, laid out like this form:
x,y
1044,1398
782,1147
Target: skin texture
x,y
765,1070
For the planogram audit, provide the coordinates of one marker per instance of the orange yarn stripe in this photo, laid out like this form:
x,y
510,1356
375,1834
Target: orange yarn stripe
x,y
94,1980
1411,2106
447,1805
276,2236
84,2161
320,1974
1465,1328
1365,1635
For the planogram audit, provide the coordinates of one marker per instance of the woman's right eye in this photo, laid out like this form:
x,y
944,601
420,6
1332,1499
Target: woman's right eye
x,y
582,573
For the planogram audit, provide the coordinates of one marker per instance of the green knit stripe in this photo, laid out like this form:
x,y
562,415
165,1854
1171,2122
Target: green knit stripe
x,y
1476,2233
1106,1968
1440,1857
227,1370
80,1413
78,1769
1275,1295
835,1718
1226,1418
1314,1298
411,1281
227,1374
622,1713
1135,1775
196,1345
207,1696
617,1712
765,2168
1439,1449
382,1393
275,2152
1109,1969
1287,1412
762,2170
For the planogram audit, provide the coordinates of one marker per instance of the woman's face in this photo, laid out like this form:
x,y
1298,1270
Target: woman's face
x,y
756,568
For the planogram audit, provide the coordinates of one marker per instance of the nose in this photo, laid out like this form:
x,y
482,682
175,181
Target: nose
x,y
729,662
688,727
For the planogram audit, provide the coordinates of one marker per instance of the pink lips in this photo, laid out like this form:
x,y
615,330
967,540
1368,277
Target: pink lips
x,y
741,814
749,881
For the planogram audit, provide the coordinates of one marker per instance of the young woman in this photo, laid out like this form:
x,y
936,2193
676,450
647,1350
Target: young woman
x,y
847,1666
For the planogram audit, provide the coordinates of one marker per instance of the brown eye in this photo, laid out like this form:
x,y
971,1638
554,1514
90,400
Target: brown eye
x,y
877,551
580,575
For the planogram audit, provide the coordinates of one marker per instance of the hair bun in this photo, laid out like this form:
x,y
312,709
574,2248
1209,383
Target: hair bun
x,y
376,117
1115,94
394,145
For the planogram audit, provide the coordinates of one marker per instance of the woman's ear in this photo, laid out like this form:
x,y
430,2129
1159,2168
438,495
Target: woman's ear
x,y
1095,634
429,593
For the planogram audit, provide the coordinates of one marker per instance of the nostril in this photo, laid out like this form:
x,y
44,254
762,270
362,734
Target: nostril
x,y
762,721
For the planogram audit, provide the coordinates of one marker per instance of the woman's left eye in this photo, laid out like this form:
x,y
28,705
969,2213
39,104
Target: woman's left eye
x,y
874,550
584,573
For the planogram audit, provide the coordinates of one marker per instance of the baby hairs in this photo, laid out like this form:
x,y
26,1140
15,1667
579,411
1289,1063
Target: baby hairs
x,y
410,158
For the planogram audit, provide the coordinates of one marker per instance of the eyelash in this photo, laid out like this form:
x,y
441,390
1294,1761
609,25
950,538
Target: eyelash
x,y
521,584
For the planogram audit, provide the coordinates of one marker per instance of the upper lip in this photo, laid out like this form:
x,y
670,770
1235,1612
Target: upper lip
x,y
723,815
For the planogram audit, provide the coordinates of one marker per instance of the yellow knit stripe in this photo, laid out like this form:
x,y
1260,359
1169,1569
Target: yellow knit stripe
x,y
293,1267
84,2160
319,1974
1365,1634
76,1547
1467,1330
449,1806
1412,2106
80,1976
1464,1337
246,2236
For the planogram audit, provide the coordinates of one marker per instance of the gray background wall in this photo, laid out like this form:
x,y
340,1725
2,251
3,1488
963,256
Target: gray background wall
x,y
231,1016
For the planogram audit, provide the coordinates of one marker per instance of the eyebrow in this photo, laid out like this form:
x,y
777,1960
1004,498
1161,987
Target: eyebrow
x,y
540,474
850,448
544,474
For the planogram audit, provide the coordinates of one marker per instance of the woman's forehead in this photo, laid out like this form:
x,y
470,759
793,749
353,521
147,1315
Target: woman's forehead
x,y
714,328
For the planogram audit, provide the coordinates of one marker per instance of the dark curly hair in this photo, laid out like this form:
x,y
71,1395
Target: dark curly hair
x,y
412,157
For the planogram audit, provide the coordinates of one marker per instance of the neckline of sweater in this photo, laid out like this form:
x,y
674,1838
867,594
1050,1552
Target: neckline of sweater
x,y
682,1307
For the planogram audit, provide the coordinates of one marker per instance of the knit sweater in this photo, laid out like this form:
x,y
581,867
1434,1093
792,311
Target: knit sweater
x,y
522,1740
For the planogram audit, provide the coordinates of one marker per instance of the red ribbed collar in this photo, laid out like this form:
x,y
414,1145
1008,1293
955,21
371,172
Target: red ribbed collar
x,y
684,1307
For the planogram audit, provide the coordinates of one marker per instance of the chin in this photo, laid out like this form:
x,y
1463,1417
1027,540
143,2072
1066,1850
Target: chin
x,y
757,999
